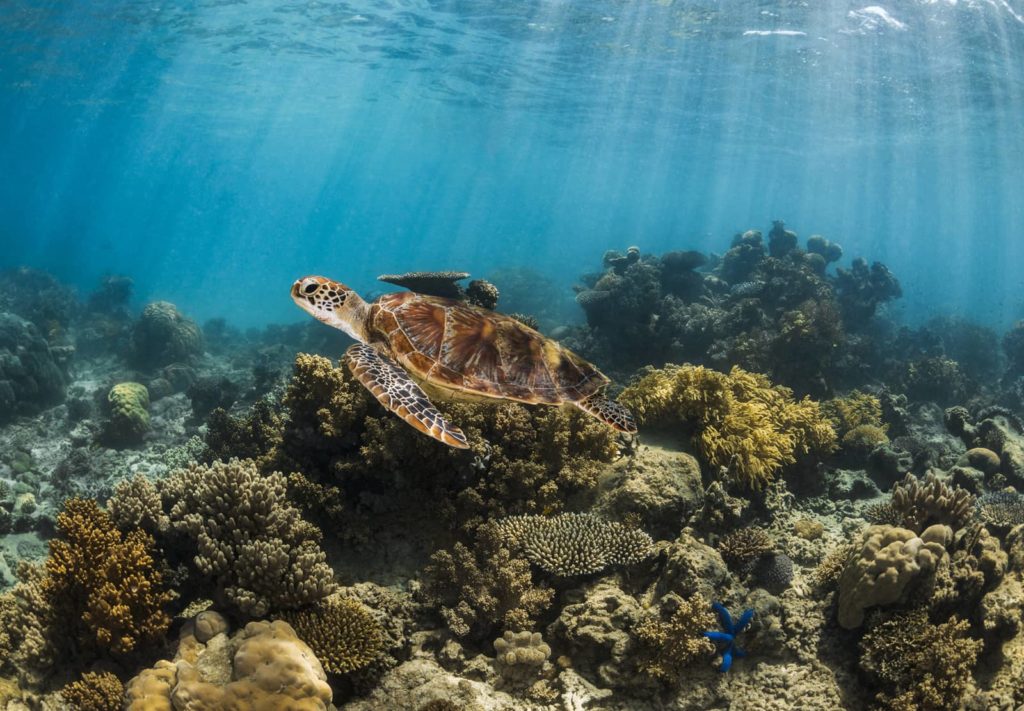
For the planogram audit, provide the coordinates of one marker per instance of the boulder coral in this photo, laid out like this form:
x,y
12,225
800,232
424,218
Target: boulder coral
x,y
882,566
262,667
31,374
127,419
162,336
740,420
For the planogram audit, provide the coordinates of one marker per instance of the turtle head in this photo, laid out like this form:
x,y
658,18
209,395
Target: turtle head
x,y
332,303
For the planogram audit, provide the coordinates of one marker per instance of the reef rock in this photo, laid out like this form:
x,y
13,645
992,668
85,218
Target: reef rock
x,y
30,376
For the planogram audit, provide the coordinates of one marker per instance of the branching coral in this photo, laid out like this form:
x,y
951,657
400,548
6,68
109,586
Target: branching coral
x,y
1001,508
95,691
920,504
575,544
254,436
104,582
742,547
251,540
671,642
920,665
136,504
483,590
341,632
742,421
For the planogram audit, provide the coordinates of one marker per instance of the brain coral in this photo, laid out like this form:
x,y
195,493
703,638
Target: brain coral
x,y
254,543
574,543
887,561
342,632
742,422
127,414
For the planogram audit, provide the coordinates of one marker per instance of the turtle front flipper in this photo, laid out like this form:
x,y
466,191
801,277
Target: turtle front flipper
x,y
398,392
609,412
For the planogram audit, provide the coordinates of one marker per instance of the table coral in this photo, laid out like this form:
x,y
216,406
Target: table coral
x,y
742,421
254,544
341,632
886,562
575,544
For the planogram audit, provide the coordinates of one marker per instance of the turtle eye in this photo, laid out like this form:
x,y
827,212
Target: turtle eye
x,y
310,288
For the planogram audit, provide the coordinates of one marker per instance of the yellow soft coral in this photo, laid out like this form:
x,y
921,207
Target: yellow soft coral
x,y
106,582
742,421
857,419
670,645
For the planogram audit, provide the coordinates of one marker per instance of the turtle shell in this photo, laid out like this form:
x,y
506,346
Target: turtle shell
x,y
461,347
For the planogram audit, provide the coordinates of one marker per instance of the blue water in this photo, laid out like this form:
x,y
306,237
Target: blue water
x,y
217,150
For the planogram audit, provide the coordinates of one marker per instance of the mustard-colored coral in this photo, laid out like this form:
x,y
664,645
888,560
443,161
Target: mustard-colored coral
x,y
128,413
742,422
106,583
854,410
342,632
95,691
670,645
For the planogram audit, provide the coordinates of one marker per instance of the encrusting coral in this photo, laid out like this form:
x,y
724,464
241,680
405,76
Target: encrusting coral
x,y
340,631
742,421
483,590
94,691
673,639
920,665
573,543
884,564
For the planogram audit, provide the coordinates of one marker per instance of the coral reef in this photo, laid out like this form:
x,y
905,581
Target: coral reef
x,y
574,544
741,421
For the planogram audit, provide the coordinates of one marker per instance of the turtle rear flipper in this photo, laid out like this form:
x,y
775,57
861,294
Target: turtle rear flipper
x,y
609,412
398,392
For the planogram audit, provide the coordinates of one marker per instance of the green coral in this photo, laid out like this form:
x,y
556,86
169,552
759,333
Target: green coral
x,y
343,634
671,642
742,422
127,414
918,664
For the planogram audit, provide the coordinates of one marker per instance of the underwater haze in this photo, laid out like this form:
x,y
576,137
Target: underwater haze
x,y
215,151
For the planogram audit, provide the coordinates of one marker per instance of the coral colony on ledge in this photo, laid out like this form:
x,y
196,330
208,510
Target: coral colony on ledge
x,y
195,517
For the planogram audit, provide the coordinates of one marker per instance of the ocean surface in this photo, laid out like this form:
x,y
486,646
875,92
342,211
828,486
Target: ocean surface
x,y
217,150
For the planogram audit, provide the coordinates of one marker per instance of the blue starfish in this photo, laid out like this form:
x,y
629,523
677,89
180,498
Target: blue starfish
x,y
728,637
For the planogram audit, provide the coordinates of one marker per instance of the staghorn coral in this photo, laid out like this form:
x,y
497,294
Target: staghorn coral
x,y
483,590
918,504
742,421
341,632
574,544
1004,509
883,565
259,551
94,691
673,638
743,546
920,665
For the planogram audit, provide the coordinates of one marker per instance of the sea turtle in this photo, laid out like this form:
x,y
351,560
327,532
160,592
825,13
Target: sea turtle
x,y
455,350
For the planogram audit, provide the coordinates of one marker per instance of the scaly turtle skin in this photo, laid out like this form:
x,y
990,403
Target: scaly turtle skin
x,y
455,350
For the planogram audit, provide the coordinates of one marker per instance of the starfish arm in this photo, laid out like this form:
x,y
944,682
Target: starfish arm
x,y
726,661
724,618
719,637
744,620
